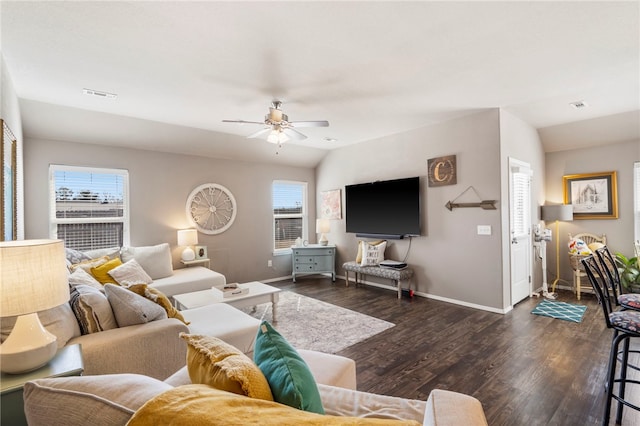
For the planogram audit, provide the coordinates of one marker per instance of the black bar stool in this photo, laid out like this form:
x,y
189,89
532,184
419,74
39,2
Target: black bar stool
x,y
625,325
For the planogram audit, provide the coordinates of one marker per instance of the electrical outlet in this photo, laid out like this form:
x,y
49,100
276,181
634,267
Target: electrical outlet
x,y
484,229
269,263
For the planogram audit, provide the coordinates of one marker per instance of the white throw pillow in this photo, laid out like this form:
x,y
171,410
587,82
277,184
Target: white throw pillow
x,y
82,277
130,308
372,254
155,260
130,273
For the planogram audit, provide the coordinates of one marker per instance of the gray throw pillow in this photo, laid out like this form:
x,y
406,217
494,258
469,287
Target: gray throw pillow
x,y
130,308
92,309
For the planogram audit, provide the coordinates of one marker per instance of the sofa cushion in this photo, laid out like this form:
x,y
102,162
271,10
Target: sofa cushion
x,y
109,252
59,321
156,296
130,273
203,405
75,256
289,377
224,322
88,264
92,309
88,400
155,260
452,408
212,362
187,280
82,277
130,308
101,273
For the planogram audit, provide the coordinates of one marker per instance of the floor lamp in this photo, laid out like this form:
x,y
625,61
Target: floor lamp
x,y
557,213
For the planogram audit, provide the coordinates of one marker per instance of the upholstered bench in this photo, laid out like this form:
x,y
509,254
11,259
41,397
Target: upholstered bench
x,y
397,275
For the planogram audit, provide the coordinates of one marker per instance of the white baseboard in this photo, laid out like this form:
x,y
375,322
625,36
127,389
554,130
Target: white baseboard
x,y
431,296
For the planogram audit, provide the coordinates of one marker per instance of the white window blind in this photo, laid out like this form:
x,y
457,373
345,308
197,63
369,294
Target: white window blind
x,y
89,207
289,214
636,195
521,211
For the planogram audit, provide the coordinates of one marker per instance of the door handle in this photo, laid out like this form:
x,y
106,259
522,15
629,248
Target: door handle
x,y
514,240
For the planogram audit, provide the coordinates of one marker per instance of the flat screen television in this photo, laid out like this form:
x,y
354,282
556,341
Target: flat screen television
x,y
386,209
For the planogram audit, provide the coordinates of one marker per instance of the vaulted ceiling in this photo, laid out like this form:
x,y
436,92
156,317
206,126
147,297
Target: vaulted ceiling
x,y
370,68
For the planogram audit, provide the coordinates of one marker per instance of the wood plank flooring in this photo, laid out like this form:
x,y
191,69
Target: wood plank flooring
x,y
524,368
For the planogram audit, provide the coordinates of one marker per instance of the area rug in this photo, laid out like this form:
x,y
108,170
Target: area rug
x,y
560,310
309,323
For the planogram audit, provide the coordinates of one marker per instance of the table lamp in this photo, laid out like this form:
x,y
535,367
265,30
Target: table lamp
x,y
322,227
33,278
557,212
188,238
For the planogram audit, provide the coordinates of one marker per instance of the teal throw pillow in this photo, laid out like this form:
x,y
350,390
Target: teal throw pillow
x,y
289,377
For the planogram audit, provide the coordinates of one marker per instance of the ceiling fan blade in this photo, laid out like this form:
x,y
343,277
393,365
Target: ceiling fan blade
x,y
320,123
294,134
243,122
260,132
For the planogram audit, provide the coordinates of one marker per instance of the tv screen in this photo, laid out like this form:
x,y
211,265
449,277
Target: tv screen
x,y
388,208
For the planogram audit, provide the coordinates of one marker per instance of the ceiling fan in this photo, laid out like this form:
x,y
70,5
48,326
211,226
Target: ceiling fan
x,y
278,129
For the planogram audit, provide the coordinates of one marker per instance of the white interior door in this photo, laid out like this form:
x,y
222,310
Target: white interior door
x,y
520,226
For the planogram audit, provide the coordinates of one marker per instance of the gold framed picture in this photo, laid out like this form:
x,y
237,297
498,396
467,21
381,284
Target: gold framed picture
x,y
593,195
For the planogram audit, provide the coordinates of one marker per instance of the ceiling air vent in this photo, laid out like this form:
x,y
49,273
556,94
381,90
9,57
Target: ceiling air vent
x,y
99,94
579,104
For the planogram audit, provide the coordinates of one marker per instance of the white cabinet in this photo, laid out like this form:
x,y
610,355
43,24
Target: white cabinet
x,y
314,259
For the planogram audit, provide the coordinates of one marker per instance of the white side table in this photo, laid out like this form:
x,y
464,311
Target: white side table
x,y
197,262
67,362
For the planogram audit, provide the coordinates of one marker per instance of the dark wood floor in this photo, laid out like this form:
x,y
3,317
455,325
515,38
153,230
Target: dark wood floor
x,y
524,368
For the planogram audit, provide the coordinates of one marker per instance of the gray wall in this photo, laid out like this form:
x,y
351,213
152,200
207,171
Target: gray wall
x,y
159,186
520,141
617,157
450,260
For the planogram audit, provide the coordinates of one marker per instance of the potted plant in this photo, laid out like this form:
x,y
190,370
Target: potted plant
x,y
629,272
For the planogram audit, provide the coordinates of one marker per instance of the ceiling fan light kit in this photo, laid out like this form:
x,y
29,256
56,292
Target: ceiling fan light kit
x,y
278,128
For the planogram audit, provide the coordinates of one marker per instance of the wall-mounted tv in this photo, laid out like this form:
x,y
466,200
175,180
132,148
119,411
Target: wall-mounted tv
x,y
386,209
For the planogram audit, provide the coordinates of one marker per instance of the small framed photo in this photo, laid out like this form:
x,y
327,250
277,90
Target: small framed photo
x,y
201,252
593,195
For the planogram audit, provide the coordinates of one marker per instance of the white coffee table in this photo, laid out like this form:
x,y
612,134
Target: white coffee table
x,y
258,293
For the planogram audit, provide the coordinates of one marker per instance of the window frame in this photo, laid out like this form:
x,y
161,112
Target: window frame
x,y
304,215
636,195
54,221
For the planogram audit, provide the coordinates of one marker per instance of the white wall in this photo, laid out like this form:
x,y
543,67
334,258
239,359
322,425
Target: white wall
x,y
617,157
10,113
450,260
159,186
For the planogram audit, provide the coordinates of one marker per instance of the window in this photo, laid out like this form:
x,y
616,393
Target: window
x,y
289,214
520,200
89,207
636,196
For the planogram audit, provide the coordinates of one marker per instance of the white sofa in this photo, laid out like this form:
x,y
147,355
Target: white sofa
x,y
113,399
187,280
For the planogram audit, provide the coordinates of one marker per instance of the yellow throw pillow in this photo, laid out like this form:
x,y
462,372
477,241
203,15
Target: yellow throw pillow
x,y
101,273
210,361
202,405
158,297
361,244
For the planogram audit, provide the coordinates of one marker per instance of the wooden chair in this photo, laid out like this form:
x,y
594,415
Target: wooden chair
x,y
574,259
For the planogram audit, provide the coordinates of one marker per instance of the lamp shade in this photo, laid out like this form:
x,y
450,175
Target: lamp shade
x,y
187,237
323,226
33,276
563,212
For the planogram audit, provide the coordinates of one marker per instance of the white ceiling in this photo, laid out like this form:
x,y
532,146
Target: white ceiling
x,y
370,68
